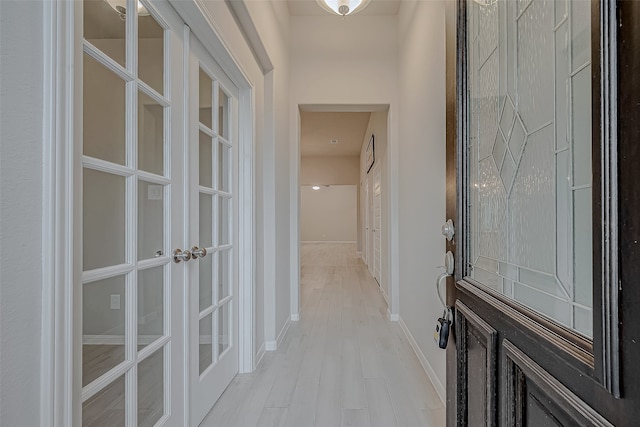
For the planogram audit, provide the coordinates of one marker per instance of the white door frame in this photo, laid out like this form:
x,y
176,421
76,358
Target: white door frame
x,y
59,388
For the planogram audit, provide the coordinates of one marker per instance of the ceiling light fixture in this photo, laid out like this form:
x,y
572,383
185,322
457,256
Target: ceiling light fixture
x,y
316,187
120,6
333,141
343,7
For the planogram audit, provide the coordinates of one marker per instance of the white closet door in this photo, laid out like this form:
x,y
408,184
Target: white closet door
x,y
377,224
130,215
213,288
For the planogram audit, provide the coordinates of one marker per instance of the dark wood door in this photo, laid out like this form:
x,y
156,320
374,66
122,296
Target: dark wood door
x,y
544,189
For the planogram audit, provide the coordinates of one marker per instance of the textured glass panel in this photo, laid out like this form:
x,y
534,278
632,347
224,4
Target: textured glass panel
x,y
582,249
107,407
561,10
205,268
553,307
581,83
151,52
580,33
151,389
105,28
205,159
224,328
223,114
205,340
224,221
103,219
562,77
508,270
103,327
150,220
517,140
224,167
535,59
488,105
206,221
224,274
564,225
206,99
488,279
150,135
532,205
488,31
103,113
508,171
499,149
506,120
150,305
583,321
544,282
491,208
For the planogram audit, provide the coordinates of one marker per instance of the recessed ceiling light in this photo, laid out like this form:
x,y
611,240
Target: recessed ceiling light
x,y
315,187
333,141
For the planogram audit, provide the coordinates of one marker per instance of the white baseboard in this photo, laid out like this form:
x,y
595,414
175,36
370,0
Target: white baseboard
x,y
273,345
328,241
431,373
260,355
295,317
384,295
392,317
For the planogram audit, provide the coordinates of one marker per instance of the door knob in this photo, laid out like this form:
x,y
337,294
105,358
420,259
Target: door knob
x,y
447,230
197,252
180,255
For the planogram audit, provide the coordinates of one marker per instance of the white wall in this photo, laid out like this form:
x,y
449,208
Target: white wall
x,y
21,155
328,214
329,170
422,174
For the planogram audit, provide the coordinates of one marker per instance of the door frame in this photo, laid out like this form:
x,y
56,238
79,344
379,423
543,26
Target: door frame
x,y
59,389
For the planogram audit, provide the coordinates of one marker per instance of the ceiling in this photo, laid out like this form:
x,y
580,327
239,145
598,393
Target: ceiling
x,y
310,7
318,128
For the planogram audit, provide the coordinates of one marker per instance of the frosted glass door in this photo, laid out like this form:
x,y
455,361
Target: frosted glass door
x,y
130,132
529,88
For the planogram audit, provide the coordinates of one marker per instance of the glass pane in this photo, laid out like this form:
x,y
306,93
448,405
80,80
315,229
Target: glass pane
x,y
205,157
223,114
150,135
103,327
150,305
151,389
107,407
205,268
206,99
205,341
224,328
150,50
224,221
224,274
105,27
530,155
150,220
103,219
224,168
206,220
104,113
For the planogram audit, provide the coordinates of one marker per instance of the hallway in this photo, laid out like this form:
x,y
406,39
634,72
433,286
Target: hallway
x,y
342,364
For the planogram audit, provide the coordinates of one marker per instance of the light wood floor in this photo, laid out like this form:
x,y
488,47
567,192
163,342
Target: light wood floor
x,y
342,364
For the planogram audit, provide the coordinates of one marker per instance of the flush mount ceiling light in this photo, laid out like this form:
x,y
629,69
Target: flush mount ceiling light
x,y
343,7
120,6
333,141
316,187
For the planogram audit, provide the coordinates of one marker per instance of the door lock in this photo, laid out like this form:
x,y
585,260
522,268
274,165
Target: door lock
x,y
448,230
180,255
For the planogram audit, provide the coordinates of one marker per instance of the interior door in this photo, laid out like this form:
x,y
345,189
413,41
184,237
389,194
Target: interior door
x,y
546,187
377,224
367,226
213,305
129,342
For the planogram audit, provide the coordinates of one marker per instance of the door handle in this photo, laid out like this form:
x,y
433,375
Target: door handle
x,y
180,255
448,230
198,252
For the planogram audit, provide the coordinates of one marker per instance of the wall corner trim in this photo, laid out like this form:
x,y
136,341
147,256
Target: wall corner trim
x,y
393,317
295,317
431,373
273,345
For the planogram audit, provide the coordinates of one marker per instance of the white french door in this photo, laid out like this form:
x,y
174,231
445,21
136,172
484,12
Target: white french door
x,y
367,226
128,343
213,302
377,224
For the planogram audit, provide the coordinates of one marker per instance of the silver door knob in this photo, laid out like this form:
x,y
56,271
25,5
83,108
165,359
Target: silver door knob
x,y
197,252
180,255
447,230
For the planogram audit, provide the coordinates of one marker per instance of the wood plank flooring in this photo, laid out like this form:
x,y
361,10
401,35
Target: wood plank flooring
x,y
342,364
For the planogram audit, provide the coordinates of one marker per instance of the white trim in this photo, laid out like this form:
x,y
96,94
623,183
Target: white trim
x,y
327,241
295,317
260,354
392,316
56,391
119,339
431,373
273,345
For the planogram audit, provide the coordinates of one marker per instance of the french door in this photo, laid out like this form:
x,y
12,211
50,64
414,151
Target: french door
x,y
213,302
547,188
377,224
128,342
